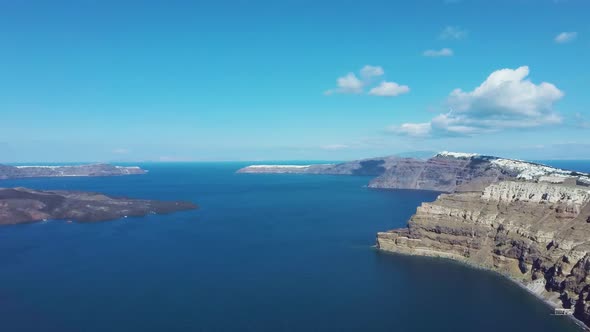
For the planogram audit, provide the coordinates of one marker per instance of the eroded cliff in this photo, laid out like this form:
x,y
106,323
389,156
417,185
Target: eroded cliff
x,y
537,233
445,172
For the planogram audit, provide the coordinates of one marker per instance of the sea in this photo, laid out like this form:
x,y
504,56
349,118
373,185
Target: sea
x,y
262,253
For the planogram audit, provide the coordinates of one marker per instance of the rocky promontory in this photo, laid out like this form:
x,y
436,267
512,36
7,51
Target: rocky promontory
x,y
535,232
13,172
22,205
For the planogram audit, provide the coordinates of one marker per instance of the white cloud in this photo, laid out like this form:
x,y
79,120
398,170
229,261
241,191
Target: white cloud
x,y
453,33
372,71
506,99
351,84
412,129
389,89
347,84
565,37
437,53
507,91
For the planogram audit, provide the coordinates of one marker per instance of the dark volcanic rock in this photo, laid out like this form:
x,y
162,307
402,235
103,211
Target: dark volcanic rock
x,y
22,205
12,172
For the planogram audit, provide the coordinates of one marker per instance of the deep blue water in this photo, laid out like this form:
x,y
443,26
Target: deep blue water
x,y
263,253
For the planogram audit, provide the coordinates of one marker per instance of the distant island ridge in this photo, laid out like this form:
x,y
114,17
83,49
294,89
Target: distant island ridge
x,y
445,171
528,221
30,171
22,205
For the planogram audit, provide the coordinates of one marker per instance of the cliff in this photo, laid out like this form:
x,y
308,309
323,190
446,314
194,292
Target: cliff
x,y
13,172
445,172
372,167
22,205
537,233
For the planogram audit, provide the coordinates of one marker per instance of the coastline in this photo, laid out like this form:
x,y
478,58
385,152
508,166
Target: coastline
x,y
468,264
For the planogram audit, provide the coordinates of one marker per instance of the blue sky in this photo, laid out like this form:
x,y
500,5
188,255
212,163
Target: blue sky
x,y
284,80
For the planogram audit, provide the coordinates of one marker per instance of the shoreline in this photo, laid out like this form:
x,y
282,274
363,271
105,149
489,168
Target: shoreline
x,y
576,321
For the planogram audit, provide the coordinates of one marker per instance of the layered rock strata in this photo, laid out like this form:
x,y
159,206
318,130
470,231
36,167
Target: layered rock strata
x,y
537,233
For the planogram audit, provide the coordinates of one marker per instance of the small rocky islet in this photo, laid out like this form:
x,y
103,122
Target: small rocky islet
x,y
527,221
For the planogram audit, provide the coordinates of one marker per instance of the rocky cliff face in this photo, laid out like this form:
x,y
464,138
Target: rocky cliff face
x,y
445,172
537,233
371,167
12,172
442,173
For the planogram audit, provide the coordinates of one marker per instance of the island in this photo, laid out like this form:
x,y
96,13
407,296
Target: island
x,y
14,172
445,172
369,167
527,221
22,205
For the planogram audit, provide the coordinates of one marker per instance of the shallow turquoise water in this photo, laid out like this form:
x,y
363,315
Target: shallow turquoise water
x,y
264,253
